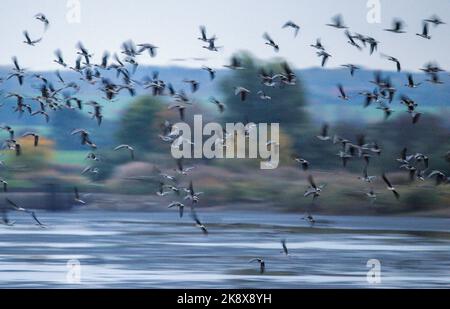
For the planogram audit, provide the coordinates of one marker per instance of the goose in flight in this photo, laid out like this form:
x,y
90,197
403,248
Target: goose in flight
x,y
262,264
194,84
219,104
59,58
435,20
161,191
342,94
318,45
424,33
77,197
182,170
263,96
149,47
35,137
352,68
351,41
324,56
211,71
29,41
284,246
82,51
181,109
397,27
43,113
304,163
365,177
197,221
41,17
393,59
192,195
212,46
441,178
291,24
30,212
235,64
180,207
204,37
242,92
411,83
337,22
324,133
271,42
129,148
313,189
390,187
434,79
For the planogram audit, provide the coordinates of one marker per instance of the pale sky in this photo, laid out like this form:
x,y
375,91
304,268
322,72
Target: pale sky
x,y
172,25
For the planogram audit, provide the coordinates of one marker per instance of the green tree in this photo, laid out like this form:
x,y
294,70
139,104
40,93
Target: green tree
x,y
139,123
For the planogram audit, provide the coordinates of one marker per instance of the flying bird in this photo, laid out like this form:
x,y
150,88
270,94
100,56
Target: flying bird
x,y
291,24
397,27
390,187
262,264
270,42
29,41
129,148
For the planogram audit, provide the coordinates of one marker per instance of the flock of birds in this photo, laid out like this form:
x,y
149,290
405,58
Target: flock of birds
x,y
125,64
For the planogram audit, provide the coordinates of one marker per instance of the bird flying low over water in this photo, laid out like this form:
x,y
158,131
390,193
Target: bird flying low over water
x,y
21,209
197,222
261,262
313,189
284,246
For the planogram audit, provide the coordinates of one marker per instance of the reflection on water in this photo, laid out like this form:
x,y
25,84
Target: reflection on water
x,y
160,250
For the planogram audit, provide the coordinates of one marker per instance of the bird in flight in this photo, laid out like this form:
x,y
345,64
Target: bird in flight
x,y
30,212
390,187
337,22
41,17
291,24
128,147
29,41
397,27
261,262
424,33
271,42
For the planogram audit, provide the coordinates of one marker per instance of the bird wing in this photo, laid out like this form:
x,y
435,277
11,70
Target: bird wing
x,y
387,181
